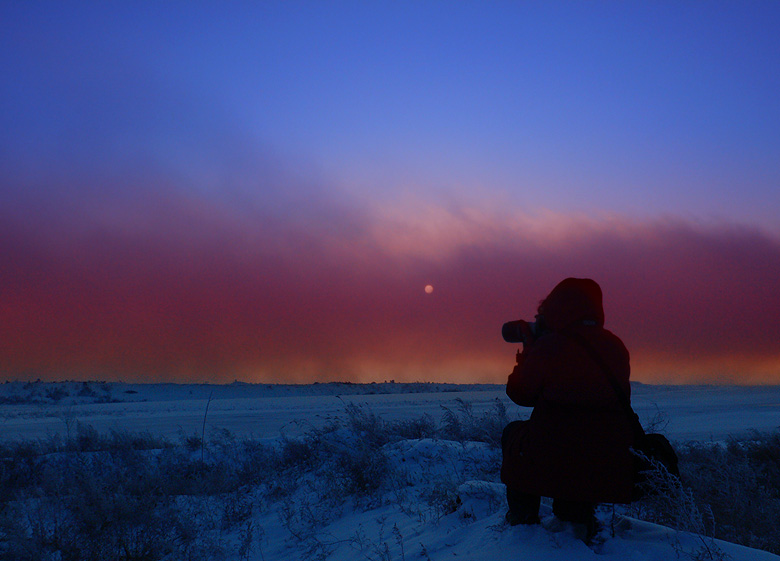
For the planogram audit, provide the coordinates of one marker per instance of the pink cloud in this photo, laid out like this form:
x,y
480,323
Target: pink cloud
x,y
168,287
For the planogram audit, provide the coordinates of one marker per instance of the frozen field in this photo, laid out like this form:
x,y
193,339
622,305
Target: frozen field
x,y
358,491
34,410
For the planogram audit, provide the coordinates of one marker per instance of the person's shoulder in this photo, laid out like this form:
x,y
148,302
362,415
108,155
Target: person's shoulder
x,y
610,335
614,341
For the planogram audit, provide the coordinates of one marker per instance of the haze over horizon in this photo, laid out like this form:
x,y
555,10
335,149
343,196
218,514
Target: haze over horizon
x,y
263,191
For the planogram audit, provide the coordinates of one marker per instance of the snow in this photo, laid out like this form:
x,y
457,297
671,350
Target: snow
x,y
419,516
260,410
474,528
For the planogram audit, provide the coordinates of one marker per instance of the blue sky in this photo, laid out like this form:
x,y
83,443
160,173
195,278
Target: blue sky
x,y
615,107
419,130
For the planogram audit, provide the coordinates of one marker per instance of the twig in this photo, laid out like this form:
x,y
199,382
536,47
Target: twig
x,y
203,430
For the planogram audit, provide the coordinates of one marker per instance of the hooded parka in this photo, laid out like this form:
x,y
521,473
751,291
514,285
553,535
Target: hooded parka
x,y
575,447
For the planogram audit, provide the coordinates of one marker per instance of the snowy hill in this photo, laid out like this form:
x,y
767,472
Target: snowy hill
x,y
337,472
433,520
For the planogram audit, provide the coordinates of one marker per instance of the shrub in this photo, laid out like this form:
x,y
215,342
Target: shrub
x,y
465,425
127,495
740,481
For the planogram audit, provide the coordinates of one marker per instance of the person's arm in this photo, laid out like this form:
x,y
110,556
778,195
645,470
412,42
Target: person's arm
x,y
525,382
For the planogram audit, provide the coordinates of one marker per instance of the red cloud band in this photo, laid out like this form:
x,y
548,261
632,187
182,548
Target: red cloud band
x,y
204,293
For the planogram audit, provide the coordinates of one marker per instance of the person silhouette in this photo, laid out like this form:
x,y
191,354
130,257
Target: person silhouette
x,y
575,447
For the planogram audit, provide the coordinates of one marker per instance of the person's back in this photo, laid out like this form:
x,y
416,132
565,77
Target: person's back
x,y
575,447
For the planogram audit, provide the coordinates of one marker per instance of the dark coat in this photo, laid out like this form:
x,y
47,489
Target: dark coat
x,y
575,446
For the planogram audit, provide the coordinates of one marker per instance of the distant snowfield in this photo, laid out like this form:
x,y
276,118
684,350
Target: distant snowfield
x,y
702,413
401,526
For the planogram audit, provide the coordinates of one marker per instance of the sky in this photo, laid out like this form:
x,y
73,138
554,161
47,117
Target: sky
x,y
210,191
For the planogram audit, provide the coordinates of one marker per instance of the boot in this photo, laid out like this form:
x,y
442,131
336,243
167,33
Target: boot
x,y
523,508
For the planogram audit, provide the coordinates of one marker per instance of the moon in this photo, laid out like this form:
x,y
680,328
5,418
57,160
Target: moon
x,y
428,288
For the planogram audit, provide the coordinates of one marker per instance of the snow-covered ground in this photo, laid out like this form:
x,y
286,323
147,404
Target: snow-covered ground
x,y
413,517
259,410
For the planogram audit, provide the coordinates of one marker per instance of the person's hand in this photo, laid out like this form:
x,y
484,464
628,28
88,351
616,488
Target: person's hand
x,y
528,335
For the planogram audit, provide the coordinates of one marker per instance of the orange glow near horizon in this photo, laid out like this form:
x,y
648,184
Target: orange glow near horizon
x,y
324,307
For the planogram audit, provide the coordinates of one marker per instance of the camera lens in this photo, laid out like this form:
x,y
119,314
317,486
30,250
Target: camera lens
x,y
511,332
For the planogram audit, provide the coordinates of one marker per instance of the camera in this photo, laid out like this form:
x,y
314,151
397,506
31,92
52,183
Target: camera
x,y
512,332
